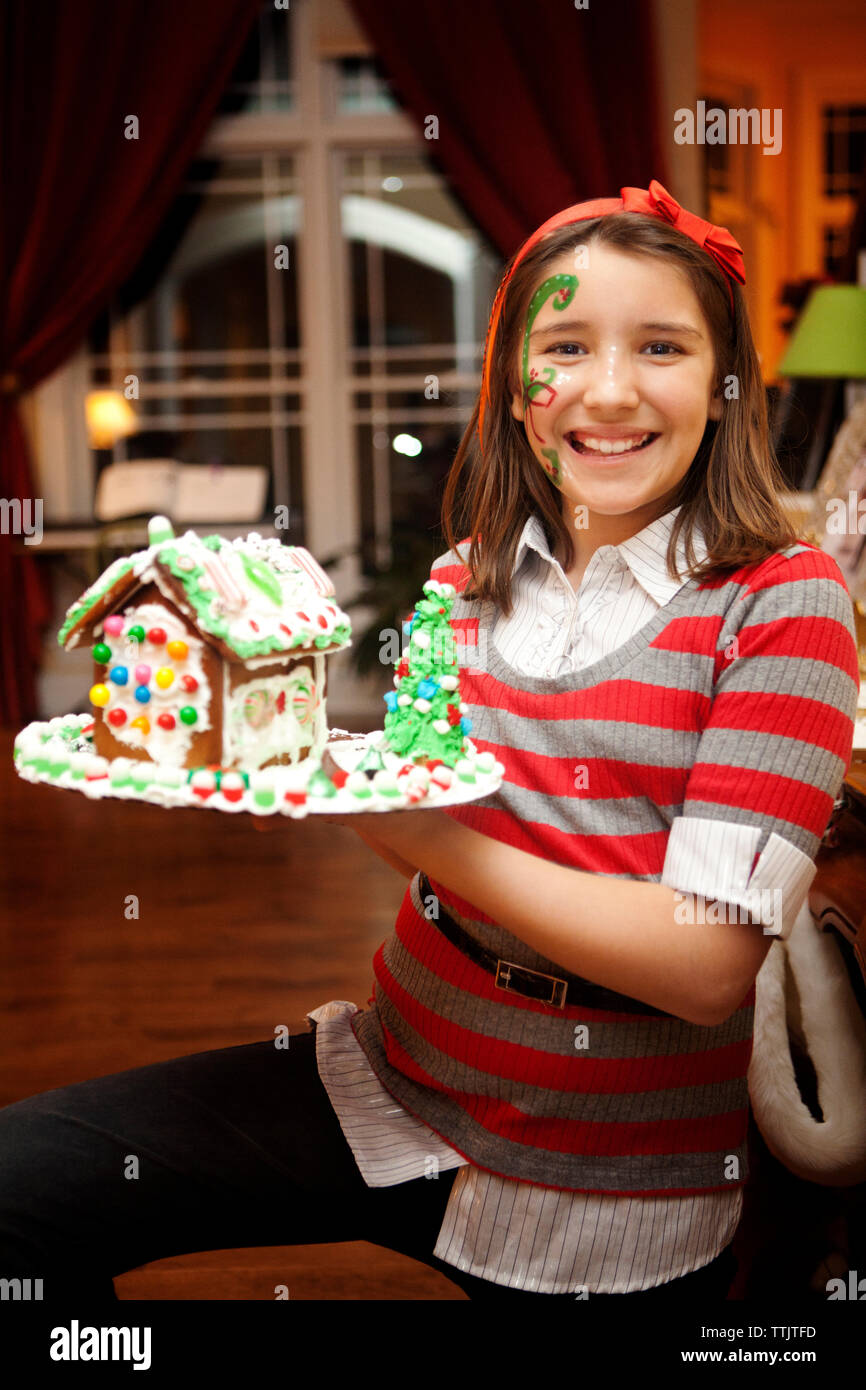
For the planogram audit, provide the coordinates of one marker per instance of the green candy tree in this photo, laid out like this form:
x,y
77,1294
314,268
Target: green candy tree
x,y
423,719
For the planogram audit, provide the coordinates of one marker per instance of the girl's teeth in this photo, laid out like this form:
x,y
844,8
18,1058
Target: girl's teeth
x,y
612,446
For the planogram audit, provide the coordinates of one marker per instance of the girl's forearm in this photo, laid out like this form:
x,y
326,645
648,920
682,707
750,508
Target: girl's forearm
x,y
619,933
401,865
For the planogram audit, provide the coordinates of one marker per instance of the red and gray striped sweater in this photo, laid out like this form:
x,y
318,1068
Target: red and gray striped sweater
x,y
735,703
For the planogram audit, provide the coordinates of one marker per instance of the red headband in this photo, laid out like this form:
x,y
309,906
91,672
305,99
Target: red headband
x,y
653,202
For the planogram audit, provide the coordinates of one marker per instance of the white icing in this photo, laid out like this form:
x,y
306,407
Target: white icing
x,y
255,729
247,608
408,786
250,614
166,746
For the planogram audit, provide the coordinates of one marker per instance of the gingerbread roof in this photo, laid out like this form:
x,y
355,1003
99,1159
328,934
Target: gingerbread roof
x,y
251,597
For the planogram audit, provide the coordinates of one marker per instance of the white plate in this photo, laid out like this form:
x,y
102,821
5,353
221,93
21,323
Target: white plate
x,y
60,754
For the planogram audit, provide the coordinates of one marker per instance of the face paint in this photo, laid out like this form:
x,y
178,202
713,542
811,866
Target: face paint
x,y
540,392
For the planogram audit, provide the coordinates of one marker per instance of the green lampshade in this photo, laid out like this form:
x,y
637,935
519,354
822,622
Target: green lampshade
x,y
829,338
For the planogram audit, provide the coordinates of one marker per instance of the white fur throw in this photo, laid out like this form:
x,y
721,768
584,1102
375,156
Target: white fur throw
x,y
803,986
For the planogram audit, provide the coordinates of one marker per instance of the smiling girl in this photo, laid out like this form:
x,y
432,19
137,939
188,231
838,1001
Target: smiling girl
x,y
670,678
562,1020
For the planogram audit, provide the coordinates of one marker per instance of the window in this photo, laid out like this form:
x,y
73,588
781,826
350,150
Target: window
x,y
420,283
844,134
216,343
350,370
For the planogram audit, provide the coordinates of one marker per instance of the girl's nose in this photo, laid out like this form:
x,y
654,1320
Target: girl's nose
x,y
609,378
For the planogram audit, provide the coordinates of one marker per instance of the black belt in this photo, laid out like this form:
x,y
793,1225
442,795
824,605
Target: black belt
x,y
532,984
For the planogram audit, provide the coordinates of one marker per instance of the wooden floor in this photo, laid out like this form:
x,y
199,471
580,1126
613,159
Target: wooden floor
x,y
240,929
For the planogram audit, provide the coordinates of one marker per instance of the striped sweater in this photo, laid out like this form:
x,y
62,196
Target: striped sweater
x,y
735,704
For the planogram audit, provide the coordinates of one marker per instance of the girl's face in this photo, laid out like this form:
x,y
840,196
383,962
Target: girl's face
x,y
616,369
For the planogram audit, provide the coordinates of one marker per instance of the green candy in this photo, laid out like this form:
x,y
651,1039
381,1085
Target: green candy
x,y
264,796
372,761
188,715
101,653
137,632
263,577
320,784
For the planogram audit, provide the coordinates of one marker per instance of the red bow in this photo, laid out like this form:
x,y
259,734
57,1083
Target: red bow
x,y
654,201
717,241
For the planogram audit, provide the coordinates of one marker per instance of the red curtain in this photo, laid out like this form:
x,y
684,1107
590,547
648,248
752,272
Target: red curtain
x,y
538,106
79,203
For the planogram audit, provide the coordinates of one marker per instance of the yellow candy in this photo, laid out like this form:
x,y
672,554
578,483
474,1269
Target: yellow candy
x,y
164,677
179,650
141,723
99,695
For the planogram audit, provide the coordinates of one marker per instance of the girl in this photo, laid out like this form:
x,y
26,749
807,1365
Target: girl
x,y
562,1019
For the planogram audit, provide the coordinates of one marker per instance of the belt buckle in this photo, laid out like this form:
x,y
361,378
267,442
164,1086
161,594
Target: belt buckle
x,y
557,993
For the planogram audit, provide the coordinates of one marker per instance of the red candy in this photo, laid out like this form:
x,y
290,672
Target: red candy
x,y
158,636
296,798
339,776
286,630
323,621
116,717
453,714
189,683
303,615
403,668
165,721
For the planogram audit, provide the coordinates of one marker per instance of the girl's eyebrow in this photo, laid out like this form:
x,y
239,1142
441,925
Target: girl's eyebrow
x,y
581,325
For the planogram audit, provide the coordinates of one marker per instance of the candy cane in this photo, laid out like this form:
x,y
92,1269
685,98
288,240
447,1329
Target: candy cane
x,y
223,581
304,559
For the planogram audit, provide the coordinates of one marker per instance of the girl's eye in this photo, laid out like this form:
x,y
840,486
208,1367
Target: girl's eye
x,y
572,349
673,347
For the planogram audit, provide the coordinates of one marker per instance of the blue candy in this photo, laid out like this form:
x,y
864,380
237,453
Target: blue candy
x,y
466,724
119,675
390,699
427,689
142,694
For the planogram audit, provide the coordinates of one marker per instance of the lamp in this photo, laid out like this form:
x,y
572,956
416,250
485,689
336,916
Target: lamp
x,y
829,340
109,417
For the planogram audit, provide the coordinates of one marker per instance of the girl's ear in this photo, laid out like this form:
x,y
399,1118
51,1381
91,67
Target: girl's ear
x,y
518,409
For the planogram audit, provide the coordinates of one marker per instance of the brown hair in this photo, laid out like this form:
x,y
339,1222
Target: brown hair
x,y
729,491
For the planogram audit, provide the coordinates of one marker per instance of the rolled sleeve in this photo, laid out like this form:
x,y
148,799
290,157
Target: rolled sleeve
x,y
713,860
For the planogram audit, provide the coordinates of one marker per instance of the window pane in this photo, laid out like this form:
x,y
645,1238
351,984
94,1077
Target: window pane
x,y
217,341
263,79
422,280
844,150
363,87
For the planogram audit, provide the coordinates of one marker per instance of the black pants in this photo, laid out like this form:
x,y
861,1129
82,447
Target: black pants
x,y
235,1147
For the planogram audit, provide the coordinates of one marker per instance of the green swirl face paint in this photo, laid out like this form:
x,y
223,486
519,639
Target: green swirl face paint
x,y
538,391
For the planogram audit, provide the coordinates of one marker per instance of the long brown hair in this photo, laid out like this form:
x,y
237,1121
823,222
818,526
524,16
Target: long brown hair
x,y
730,491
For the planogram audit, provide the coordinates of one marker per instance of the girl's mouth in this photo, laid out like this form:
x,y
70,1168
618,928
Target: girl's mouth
x,y
588,444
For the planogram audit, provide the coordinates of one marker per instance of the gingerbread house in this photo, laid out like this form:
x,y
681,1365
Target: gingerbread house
x,y
209,652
